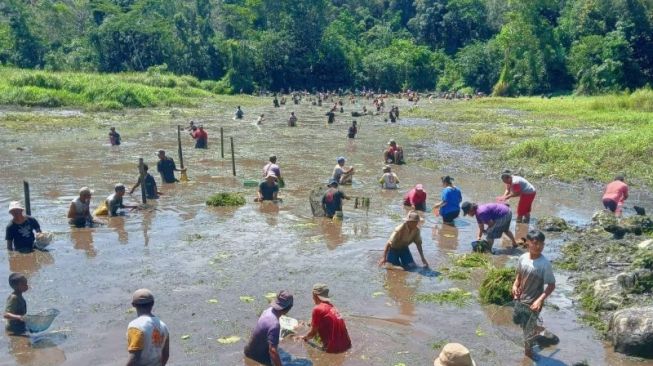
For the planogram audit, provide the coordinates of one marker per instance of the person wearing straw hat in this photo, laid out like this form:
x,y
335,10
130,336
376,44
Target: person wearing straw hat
x,y
268,189
148,339
327,322
20,230
79,212
264,342
397,250
454,354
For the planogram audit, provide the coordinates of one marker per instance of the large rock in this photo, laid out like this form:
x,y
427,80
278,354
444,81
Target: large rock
x,y
637,281
607,292
552,223
631,331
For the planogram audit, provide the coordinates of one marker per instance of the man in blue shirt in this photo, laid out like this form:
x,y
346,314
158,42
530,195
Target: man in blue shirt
x,y
166,166
449,205
332,199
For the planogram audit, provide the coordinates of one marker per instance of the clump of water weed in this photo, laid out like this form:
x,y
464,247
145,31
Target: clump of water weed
x,y
496,288
456,273
472,260
226,199
453,296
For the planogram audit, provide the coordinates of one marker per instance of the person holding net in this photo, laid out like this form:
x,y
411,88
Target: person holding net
x,y
533,272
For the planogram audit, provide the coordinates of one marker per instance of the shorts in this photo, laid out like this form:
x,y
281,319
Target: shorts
x,y
501,225
610,204
418,206
525,204
400,257
449,216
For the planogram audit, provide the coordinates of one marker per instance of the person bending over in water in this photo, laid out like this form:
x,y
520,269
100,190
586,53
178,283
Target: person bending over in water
x,y
151,191
616,193
493,220
397,250
394,154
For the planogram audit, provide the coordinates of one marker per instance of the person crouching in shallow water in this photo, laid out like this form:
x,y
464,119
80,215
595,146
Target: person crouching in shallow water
x,y
148,340
79,212
114,201
327,323
389,180
16,306
415,199
533,272
397,250
341,173
263,346
493,220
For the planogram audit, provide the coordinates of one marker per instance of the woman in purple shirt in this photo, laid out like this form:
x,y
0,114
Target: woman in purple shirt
x,y
493,219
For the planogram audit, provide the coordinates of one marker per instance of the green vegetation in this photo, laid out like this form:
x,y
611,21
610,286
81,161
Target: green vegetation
x,y
226,199
496,288
471,260
643,259
566,138
500,46
456,273
453,296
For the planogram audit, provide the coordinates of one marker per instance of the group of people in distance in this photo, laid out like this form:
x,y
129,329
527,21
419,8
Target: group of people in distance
x,y
148,337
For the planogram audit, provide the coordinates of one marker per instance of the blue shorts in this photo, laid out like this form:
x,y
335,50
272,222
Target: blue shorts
x,y
400,257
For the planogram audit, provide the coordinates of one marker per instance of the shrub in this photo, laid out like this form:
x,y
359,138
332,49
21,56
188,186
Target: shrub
x,y
226,199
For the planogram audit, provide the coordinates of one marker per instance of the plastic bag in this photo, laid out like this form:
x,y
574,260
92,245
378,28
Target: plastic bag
x,y
43,239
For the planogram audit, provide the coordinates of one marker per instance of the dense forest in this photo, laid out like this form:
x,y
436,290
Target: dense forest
x,y
505,47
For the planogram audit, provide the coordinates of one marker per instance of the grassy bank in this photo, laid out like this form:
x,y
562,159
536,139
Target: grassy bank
x,y
94,91
565,138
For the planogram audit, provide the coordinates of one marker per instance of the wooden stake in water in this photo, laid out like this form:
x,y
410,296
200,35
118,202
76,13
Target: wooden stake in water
x,y
233,159
28,206
183,177
141,173
222,142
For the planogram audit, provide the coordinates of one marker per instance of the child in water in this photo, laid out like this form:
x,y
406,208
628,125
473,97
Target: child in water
x,y
16,306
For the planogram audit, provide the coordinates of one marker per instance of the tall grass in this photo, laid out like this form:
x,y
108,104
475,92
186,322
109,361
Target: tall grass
x,y
98,91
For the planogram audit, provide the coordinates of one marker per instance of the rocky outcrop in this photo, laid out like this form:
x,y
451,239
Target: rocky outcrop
x,y
607,293
552,223
633,224
631,331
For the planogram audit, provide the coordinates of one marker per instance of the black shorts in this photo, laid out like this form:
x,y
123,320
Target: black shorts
x,y
450,216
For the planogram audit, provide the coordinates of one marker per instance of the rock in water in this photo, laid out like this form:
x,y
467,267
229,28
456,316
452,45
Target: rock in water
x,y
631,331
607,293
552,223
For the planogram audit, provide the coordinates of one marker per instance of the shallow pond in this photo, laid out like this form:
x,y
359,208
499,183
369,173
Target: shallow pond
x,y
191,255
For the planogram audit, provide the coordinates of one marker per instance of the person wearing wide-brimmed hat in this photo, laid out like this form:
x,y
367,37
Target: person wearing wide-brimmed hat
x,y
268,189
263,344
397,250
327,322
454,354
20,230
148,339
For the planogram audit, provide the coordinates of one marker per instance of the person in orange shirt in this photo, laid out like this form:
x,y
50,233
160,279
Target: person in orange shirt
x,y
616,192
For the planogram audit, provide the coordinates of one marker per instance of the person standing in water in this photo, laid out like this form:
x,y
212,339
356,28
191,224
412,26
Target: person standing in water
x,y
201,138
151,191
166,167
517,186
263,346
450,198
114,137
20,230
79,212
389,180
148,339
353,130
239,113
342,174
332,199
260,119
292,121
616,193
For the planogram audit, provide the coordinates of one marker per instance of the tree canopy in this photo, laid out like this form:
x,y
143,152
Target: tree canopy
x,y
508,47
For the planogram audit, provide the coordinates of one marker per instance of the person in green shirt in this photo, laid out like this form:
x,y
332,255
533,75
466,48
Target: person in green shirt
x,y
16,306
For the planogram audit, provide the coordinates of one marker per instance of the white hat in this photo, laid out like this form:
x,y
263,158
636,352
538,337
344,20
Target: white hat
x,y
15,205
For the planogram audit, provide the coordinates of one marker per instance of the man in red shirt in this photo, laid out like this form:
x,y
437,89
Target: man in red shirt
x,y
201,138
615,194
327,323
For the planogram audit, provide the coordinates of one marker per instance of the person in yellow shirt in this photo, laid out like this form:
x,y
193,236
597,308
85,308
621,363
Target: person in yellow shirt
x,y
148,341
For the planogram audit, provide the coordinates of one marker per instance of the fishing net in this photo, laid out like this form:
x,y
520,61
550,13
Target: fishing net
x,y
315,198
39,322
528,320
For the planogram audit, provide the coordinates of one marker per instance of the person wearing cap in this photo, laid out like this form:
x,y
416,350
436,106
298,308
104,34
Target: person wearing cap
x,y
493,220
416,198
151,191
397,250
394,154
268,189
114,137
327,322
79,212
332,199
166,167
517,186
20,230
616,193
454,354
114,201
389,180
450,198
342,174
148,339
264,342
292,121
201,138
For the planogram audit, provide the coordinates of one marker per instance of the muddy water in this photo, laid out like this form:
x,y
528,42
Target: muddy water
x,y
191,255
